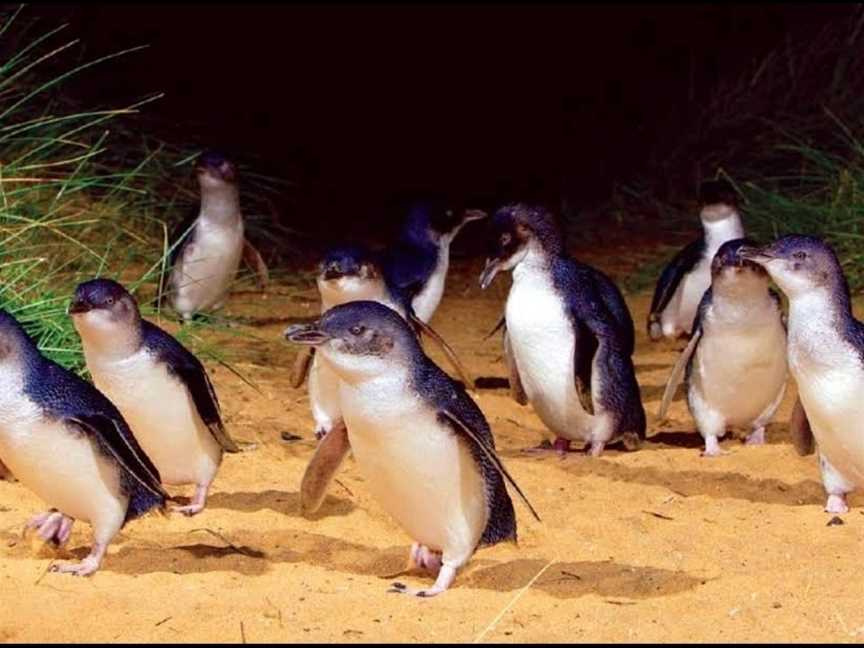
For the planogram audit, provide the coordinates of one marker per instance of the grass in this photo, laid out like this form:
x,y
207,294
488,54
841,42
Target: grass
x,y
83,195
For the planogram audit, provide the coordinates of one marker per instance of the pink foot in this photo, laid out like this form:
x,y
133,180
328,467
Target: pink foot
x,y
712,448
561,447
52,526
442,583
423,557
836,504
87,566
197,504
756,437
596,448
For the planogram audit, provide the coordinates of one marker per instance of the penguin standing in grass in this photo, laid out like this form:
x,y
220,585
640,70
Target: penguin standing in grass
x,y
162,390
687,276
568,335
67,443
826,357
209,246
735,363
422,445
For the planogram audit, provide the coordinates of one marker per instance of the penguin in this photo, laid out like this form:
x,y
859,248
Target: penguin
x,y
162,390
423,446
826,357
687,276
352,273
735,363
66,442
568,334
415,266
207,249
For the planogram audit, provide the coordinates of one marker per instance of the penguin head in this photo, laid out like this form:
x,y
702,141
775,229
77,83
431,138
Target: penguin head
x,y
514,230
437,222
360,339
103,312
718,200
215,170
348,274
798,264
731,271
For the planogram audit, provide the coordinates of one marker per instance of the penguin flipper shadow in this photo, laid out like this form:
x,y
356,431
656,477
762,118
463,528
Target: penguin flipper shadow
x,y
300,369
255,261
122,446
517,391
331,450
677,375
670,278
800,431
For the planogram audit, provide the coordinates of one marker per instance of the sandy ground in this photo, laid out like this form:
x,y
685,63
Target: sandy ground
x,y
654,545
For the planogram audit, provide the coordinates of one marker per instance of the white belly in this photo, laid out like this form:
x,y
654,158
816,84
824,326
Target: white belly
x,y
323,394
62,467
207,267
416,469
740,372
679,314
543,343
163,418
426,301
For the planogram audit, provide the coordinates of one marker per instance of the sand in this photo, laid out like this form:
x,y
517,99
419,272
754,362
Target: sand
x,y
660,544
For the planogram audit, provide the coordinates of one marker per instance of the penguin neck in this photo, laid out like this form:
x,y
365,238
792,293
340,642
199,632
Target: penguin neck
x,y
221,204
113,345
824,309
351,288
741,297
536,262
720,223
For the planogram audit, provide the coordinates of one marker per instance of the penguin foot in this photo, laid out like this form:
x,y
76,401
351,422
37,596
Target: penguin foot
x,y
197,504
561,447
836,504
445,578
52,526
756,437
87,566
712,448
596,448
320,434
425,558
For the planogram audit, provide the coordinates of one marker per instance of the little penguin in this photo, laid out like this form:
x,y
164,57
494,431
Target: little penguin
x,y
416,264
735,363
423,446
826,356
687,276
162,390
205,260
568,335
345,274
66,442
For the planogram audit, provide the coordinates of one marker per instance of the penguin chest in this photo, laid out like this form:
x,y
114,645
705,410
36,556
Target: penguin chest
x,y
324,394
426,301
830,379
162,415
740,368
417,468
60,463
208,265
543,341
683,306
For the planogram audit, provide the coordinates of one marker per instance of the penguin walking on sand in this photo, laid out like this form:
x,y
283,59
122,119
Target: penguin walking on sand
x,y
422,445
67,443
415,266
687,276
826,357
206,258
162,390
568,335
735,363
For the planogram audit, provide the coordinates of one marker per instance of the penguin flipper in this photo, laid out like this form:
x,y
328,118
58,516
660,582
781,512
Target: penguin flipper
x,y
677,375
184,366
331,450
670,278
517,391
113,436
253,257
800,431
448,351
300,369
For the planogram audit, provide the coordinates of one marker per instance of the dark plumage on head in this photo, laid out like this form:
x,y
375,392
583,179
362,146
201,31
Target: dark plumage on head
x,y
727,258
214,165
718,192
431,219
348,261
104,296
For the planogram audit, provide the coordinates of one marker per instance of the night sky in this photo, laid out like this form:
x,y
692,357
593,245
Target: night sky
x,y
361,105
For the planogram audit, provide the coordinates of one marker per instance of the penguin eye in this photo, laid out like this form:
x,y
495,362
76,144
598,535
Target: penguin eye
x,y
800,255
505,238
357,329
109,301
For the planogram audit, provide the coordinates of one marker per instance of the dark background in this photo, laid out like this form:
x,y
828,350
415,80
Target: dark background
x,y
364,105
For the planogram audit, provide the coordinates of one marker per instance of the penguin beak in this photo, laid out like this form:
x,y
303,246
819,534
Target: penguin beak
x,y
473,214
489,272
754,254
79,306
306,334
